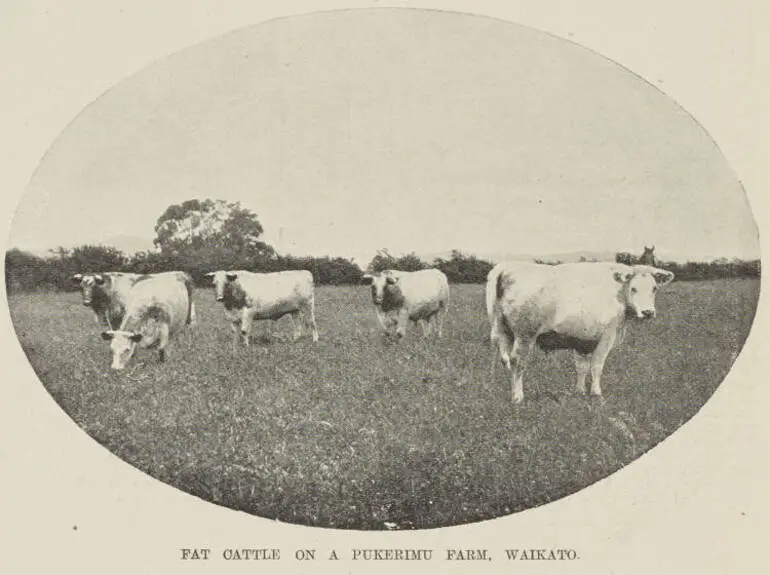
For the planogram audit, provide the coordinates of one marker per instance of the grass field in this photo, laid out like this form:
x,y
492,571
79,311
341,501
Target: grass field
x,y
360,432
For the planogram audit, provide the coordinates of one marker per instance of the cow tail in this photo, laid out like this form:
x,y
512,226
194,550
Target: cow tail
x,y
188,283
494,288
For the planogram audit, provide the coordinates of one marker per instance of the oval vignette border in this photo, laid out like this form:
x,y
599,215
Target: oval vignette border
x,y
563,39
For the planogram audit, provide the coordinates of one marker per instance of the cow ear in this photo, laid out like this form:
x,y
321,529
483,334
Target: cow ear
x,y
135,337
231,276
77,277
210,275
392,280
99,279
622,276
662,277
107,335
367,279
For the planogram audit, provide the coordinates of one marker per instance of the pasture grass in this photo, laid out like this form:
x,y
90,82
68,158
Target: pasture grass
x,y
358,431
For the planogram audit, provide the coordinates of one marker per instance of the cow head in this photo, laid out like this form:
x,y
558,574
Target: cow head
x,y
639,286
220,279
88,283
380,283
123,345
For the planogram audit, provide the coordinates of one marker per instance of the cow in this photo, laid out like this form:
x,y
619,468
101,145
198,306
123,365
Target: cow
x,y
249,296
418,296
158,306
577,306
648,257
105,293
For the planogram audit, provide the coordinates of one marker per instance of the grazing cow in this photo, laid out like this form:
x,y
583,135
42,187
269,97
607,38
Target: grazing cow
x,y
418,296
248,296
579,306
648,257
158,307
187,280
105,294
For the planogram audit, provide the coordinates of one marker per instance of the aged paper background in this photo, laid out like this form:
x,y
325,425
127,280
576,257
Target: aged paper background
x,y
696,503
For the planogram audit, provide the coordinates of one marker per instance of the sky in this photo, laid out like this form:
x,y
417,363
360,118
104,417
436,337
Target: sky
x,y
416,131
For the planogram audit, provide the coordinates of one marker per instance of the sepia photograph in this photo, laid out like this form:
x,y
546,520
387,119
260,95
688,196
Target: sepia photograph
x,y
381,268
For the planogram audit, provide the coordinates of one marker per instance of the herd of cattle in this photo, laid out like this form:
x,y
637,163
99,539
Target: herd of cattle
x,y
581,307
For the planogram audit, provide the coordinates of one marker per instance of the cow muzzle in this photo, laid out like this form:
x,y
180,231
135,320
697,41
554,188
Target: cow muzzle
x,y
647,314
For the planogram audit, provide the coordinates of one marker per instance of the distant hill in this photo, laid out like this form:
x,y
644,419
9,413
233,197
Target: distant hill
x,y
501,257
126,243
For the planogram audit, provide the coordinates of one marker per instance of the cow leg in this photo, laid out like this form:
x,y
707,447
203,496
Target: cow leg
x,y
264,328
193,316
236,327
439,323
597,361
582,366
522,348
308,316
246,323
382,319
501,345
296,325
401,321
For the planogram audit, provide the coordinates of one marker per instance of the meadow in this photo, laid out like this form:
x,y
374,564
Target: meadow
x,y
358,431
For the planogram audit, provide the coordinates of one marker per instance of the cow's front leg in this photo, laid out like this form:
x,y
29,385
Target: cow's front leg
x,y
383,319
597,361
235,325
246,323
401,322
582,366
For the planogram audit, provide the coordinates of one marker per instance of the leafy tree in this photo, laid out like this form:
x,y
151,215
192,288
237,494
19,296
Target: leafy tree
x,y
462,268
91,258
200,231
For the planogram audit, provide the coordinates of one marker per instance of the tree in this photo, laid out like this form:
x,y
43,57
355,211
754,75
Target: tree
x,y
199,233
463,268
383,260
90,258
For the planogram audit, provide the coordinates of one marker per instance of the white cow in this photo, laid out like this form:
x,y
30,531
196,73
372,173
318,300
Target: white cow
x,y
105,294
158,307
248,296
400,296
580,306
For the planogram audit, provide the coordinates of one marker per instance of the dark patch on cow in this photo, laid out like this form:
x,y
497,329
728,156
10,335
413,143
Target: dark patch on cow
x,y
392,298
233,296
551,341
157,313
